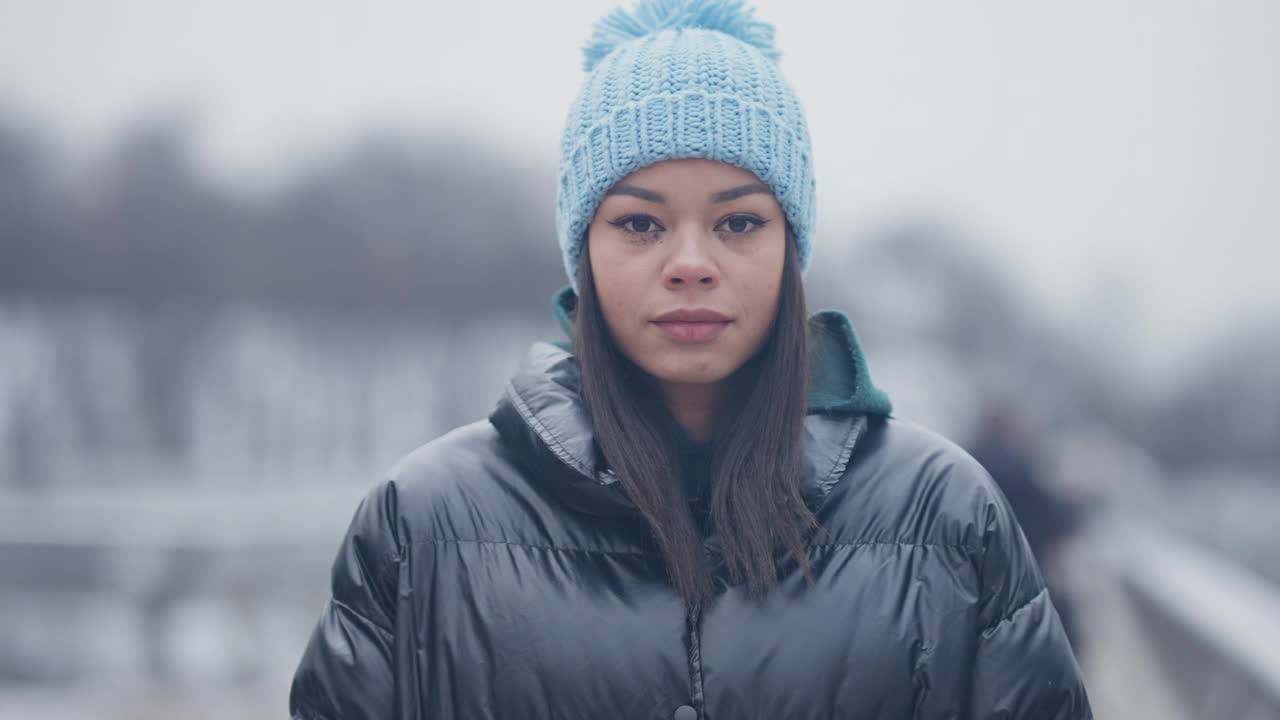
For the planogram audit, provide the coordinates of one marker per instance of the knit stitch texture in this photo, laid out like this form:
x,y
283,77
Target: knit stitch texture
x,y
682,79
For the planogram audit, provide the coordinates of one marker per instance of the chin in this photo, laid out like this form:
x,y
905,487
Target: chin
x,y
691,370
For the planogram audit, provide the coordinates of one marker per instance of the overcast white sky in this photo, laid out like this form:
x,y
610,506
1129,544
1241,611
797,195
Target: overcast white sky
x,y
1091,142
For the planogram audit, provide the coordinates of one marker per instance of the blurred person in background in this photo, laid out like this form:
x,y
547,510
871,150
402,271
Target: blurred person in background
x,y
1006,446
701,507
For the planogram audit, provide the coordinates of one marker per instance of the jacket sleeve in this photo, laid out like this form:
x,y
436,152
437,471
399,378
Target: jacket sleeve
x,y
346,670
1024,666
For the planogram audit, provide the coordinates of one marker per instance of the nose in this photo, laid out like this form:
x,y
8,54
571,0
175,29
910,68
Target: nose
x,y
691,265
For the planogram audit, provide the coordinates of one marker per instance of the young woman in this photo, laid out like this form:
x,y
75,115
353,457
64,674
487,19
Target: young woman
x,y
702,508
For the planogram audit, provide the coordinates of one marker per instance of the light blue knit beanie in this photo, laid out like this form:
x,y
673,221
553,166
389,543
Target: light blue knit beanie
x,y
682,79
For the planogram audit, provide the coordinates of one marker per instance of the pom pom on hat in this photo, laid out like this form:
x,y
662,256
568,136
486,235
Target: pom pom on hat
x,y
730,17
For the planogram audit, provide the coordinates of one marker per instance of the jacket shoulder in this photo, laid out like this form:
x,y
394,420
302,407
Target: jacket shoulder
x,y
465,448
470,486
456,486
910,485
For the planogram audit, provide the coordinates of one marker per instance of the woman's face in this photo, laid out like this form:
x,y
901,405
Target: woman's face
x,y
691,236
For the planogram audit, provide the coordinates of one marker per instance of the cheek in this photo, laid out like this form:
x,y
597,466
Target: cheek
x,y
763,291
764,311
612,295
614,318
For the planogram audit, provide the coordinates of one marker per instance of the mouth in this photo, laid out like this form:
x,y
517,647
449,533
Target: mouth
x,y
692,326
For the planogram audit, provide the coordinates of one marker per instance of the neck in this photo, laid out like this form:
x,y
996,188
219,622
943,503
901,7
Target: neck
x,y
694,407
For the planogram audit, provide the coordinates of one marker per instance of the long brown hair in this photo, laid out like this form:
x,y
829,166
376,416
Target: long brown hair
x,y
756,505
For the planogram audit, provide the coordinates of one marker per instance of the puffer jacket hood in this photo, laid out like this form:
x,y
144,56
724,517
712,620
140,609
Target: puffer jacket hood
x,y
501,571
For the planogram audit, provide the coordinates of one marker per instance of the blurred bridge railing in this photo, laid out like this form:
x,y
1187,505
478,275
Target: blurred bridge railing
x,y
1213,628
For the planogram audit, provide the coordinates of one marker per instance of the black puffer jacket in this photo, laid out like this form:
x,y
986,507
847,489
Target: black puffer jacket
x,y
499,572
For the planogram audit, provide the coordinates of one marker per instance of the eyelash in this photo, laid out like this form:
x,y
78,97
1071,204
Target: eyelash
x,y
622,222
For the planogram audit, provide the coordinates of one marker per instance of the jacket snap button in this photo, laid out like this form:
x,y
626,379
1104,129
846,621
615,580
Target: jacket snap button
x,y
684,712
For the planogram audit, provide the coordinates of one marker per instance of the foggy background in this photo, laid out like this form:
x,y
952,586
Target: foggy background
x,y
252,253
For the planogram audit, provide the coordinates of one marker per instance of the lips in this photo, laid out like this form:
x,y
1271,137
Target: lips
x,y
693,325
693,315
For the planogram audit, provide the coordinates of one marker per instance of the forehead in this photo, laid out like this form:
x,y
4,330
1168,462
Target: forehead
x,y
691,173
692,183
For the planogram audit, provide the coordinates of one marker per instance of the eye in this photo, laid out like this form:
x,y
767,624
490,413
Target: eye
x,y
742,224
637,224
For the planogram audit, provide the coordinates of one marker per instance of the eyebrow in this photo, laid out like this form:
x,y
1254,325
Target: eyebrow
x,y
641,193
720,197
738,192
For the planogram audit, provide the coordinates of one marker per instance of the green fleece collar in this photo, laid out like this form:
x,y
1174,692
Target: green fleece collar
x,y
841,381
